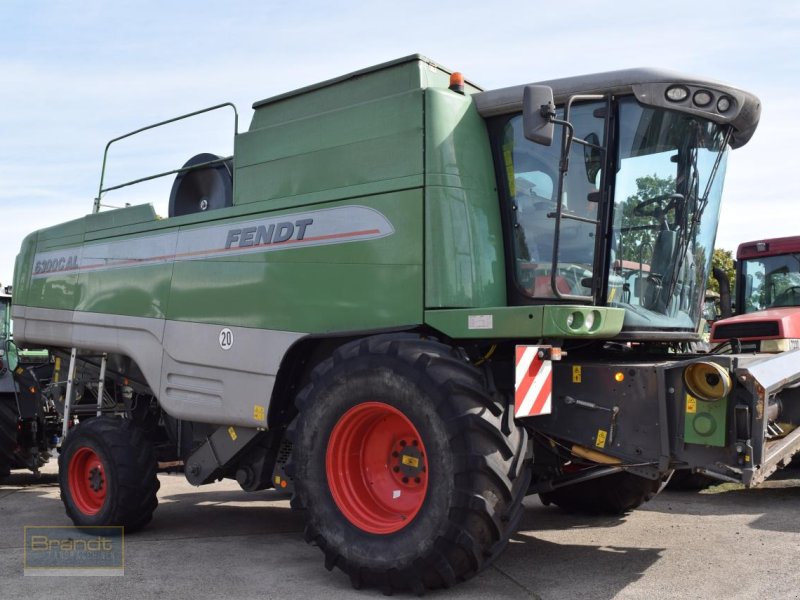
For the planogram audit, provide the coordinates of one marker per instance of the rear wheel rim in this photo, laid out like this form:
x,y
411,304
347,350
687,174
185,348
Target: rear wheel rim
x,y
87,481
377,468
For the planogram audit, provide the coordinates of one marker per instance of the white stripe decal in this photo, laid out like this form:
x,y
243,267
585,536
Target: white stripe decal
x,y
536,388
284,232
524,364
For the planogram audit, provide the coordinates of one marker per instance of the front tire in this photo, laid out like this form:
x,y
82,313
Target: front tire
x,y
614,494
107,474
413,474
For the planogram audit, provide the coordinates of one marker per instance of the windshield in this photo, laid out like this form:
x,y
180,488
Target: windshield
x,y
532,180
670,169
771,281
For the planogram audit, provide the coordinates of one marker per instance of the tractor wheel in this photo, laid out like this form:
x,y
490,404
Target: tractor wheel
x,y
107,474
9,417
412,473
613,494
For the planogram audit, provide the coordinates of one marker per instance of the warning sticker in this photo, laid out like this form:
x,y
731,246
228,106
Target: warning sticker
x,y
602,434
410,461
576,374
691,404
232,433
258,412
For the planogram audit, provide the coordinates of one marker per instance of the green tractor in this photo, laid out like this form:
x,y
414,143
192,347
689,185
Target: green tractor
x,y
411,303
29,421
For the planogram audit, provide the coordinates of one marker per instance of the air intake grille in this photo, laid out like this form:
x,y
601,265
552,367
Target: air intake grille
x,y
758,329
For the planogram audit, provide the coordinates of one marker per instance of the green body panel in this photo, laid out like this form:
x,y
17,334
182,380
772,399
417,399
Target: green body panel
x,y
464,261
118,292
366,285
142,213
523,322
705,423
334,150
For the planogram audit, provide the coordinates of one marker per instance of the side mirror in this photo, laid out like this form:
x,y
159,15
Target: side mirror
x,y
538,111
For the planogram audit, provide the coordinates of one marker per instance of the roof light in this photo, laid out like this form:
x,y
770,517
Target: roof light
x,y
457,82
677,93
761,246
723,104
703,98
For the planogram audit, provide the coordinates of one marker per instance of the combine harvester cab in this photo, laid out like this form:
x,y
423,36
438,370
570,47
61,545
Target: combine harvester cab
x,y
411,303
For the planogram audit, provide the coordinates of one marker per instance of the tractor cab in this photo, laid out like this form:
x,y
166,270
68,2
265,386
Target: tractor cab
x,y
768,294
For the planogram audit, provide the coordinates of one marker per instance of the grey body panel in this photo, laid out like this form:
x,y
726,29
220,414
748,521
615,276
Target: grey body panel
x,y
184,364
648,85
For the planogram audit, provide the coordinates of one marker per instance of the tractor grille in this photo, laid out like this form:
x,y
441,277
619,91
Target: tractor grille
x,y
759,329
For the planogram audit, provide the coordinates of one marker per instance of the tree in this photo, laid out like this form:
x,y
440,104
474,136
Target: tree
x,y
722,259
639,232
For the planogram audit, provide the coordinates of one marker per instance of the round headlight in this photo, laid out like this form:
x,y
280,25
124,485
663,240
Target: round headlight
x,y
707,381
723,104
575,320
677,93
702,98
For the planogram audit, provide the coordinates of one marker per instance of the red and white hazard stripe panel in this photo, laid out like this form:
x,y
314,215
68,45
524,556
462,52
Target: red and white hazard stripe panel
x,y
534,383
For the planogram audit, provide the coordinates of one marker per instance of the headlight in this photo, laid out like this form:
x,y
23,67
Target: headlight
x,y
707,381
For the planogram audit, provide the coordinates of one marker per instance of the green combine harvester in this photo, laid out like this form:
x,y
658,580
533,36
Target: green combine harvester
x,y
411,303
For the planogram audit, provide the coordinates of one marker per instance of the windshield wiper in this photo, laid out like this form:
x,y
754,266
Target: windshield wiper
x,y
702,202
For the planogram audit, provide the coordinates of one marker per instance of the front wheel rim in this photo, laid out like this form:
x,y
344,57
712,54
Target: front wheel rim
x,y
87,481
377,468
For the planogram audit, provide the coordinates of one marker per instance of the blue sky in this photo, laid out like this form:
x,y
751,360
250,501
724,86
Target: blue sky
x,y
76,74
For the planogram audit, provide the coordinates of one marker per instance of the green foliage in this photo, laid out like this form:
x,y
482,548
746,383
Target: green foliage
x,y
637,244
722,259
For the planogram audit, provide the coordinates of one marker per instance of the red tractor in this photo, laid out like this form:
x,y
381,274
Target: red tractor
x,y
767,298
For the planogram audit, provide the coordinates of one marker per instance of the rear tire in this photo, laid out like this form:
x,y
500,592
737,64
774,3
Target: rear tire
x,y
461,487
9,418
107,473
614,494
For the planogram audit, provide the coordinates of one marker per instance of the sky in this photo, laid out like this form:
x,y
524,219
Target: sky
x,y
74,75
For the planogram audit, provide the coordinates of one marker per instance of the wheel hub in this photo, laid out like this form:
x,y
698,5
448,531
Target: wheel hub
x,y
96,480
408,462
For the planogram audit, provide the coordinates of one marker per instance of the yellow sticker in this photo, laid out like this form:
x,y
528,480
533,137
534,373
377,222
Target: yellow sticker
x,y
691,404
258,412
576,374
611,294
232,433
602,434
410,461
277,479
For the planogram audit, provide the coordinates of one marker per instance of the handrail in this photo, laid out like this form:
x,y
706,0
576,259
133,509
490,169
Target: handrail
x,y
101,189
566,144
